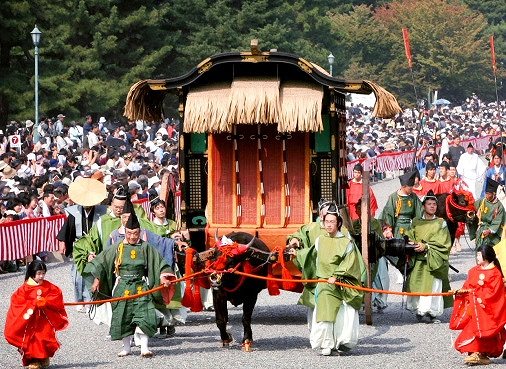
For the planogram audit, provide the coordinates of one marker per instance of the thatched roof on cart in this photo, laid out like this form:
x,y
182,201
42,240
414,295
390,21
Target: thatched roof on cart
x,y
250,88
291,106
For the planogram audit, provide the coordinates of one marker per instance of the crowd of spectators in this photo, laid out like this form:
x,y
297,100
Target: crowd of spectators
x,y
368,136
34,178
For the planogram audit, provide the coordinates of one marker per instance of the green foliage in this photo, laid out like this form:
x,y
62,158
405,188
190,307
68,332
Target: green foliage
x,y
448,42
92,51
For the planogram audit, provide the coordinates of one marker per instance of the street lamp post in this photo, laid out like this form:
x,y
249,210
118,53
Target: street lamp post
x,y
36,40
331,60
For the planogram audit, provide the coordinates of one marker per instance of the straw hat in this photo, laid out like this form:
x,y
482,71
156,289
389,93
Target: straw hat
x,y
87,191
8,172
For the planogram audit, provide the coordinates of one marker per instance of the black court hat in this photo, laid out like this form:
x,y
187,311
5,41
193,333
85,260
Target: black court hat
x,y
132,222
121,193
429,196
323,203
491,185
408,179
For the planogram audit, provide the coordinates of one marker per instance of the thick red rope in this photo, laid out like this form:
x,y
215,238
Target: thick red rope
x,y
272,279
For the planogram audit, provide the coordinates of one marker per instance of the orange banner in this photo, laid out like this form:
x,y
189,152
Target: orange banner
x,y
492,52
407,47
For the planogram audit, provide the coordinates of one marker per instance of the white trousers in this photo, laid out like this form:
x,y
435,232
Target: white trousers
x,y
342,332
433,305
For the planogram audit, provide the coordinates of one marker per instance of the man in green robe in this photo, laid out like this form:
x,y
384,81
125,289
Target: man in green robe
x,y
491,216
130,267
401,207
432,242
304,240
89,246
335,317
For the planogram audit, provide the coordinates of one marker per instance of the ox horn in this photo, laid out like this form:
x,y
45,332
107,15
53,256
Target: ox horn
x,y
250,243
216,238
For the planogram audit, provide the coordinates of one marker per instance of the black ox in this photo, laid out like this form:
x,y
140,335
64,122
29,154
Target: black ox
x,y
456,207
248,254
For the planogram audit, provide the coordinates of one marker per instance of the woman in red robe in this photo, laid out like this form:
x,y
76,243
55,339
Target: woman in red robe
x,y
35,314
480,310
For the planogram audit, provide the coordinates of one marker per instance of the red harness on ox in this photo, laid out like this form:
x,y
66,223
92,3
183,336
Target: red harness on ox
x,y
192,298
452,204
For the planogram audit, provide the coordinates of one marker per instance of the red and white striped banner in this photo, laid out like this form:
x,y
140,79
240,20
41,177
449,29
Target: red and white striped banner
x,y
145,205
29,236
392,161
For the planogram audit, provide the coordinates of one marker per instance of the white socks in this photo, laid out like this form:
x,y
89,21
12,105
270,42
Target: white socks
x,y
127,349
143,341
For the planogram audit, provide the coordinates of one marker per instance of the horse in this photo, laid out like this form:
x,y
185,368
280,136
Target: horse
x,y
242,252
455,207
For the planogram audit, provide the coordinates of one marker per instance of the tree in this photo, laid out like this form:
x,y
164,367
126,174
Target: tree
x,y
448,41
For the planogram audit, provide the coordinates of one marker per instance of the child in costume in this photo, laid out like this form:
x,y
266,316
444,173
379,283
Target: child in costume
x,y
35,314
480,310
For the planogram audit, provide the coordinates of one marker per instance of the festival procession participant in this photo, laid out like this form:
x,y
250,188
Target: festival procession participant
x,y
491,216
335,317
497,172
429,182
401,207
173,312
129,268
87,194
160,224
446,181
480,310
304,239
354,193
430,263
93,243
87,247
471,168
35,314
455,183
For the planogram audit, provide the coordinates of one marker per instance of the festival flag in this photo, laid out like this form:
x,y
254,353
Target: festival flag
x,y
492,51
407,47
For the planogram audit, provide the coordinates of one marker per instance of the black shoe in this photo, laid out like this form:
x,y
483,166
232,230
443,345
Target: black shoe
x,y
171,331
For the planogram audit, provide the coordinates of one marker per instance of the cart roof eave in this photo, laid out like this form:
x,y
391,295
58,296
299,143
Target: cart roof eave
x,y
145,98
